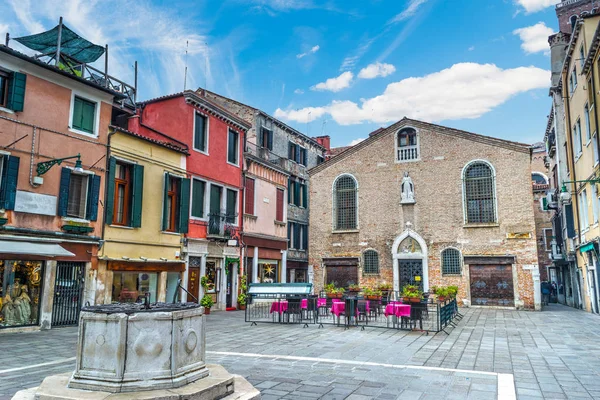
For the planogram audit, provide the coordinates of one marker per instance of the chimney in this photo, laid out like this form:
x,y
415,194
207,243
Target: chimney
x,y
324,141
133,123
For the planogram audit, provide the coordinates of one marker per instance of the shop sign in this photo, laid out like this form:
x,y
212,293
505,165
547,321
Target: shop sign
x,y
35,203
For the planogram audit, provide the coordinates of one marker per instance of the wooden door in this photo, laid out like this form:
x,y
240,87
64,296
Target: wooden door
x,y
194,284
492,285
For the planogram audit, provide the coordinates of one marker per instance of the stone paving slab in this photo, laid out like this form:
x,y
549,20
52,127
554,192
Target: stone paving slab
x,y
554,354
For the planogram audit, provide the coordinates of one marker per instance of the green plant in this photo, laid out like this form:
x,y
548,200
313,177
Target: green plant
x,y
242,297
385,286
368,292
207,301
330,288
354,287
452,291
411,291
441,291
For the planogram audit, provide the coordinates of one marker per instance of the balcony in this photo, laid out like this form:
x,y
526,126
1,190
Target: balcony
x,y
265,154
551,143
407,153
222,226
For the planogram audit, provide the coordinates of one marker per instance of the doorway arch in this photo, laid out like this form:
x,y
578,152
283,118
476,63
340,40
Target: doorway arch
x,y
401,254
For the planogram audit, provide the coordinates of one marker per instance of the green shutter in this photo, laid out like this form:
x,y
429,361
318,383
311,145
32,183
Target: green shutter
x,y
290,227
297,193
16,91
200,132
297,236
110,190
230,210
305,196
198,189
63,192
138,195
8,187
165,219
83,115
289,190
270,140
305,238
184,206
77,113
91,213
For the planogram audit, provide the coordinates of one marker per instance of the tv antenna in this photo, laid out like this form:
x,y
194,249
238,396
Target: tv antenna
x,y
185,73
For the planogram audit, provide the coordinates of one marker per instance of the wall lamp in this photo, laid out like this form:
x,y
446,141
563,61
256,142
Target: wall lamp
x,y
45,166
565,195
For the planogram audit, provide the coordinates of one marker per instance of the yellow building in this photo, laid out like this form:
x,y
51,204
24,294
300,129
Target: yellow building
x,y
580,85
146,182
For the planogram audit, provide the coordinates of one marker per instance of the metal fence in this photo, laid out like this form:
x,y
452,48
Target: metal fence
x,y
426,316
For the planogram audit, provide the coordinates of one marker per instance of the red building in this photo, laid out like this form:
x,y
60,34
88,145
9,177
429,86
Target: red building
x,y
216,142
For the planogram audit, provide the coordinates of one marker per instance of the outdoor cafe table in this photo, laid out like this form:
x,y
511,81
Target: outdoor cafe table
x,y
397,310
339,307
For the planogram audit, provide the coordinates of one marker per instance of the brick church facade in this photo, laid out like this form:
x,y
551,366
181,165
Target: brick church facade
x,y
429,205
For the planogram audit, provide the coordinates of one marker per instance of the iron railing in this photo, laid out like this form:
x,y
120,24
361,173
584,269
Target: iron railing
x,y
221,225
425,316
265,154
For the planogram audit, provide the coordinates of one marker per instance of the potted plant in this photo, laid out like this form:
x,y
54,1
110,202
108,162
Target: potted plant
x,y
452,291
207,302
412,293
333,292
441,293
371,294
385,288
243,296
353,289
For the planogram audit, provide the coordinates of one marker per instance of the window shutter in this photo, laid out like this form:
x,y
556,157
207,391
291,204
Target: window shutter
x,y
305,238
16,91
261,137
304,195
165,220
184,206
77,113
290,183
291,150
63,192
10,174
279,206
93,194
297,154
87,120
290,244
249,206
137,196
570,222
198,193
110,190
297,236
270,140
200,132
297,193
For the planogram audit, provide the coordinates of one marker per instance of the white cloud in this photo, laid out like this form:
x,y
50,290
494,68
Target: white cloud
x,y
299,91
471,48
409,11
313,50
463,91
531,6
335,84
376,69
534,38
356,141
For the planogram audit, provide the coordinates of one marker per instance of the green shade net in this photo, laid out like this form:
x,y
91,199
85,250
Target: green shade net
x,y
71,44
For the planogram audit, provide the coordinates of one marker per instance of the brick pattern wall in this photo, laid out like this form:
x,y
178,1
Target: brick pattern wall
x,y
437,215
565,13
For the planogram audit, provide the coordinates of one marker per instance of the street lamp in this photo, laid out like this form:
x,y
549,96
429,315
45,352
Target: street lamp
x,y
565,195
45,166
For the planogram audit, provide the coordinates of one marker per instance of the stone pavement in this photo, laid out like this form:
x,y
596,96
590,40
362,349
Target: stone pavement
x,y
554,354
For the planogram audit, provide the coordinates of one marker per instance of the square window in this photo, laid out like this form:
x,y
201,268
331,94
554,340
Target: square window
x,y
78,189
84,115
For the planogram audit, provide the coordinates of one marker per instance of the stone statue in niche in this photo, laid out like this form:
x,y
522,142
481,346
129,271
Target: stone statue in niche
x,y
408,190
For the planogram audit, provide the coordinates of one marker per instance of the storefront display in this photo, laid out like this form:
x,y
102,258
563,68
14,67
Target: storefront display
x,y
131,287
173,278
211,276
20,290
267,271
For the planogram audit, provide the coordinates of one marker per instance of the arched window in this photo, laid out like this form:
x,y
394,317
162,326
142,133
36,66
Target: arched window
x,y
451,262
370,262
407,145
539,179
345,203
573,21
479,188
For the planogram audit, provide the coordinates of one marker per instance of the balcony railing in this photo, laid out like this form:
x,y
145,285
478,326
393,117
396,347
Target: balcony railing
x,y
265,154
221,225
408,153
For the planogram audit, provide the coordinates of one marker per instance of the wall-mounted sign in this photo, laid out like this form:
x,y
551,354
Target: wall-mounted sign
x,y
417,278
35,203
518,235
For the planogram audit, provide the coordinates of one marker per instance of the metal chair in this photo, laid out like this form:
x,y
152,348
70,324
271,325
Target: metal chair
x,y
294,309
361,311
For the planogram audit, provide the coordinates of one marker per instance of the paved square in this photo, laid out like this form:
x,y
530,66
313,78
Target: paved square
x,y
554,354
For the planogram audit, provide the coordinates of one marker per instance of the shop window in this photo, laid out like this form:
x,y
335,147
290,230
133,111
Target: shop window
x,y
267,271
173,294
211,276
78,195
298,276
20,292
131,287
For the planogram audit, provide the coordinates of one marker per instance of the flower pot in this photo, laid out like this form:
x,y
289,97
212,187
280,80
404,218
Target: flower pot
x,y
207,310
373,297
414,299
241,307
441,298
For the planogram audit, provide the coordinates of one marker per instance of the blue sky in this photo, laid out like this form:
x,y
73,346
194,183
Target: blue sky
x,y
337,67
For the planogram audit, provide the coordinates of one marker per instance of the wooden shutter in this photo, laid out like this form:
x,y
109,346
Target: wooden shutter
x,y
109,201
200,132
304,237
198,193
184,205
249,200
291,150
290,184
270,139
91,213
297,236
8,188
279,208
230,209
305,195
297,193
303,156
137,196
297,154
16,91
63,192
83,115
165,219
290,230
568,210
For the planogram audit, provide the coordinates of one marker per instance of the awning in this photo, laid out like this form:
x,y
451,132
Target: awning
x,y
34,249
586,247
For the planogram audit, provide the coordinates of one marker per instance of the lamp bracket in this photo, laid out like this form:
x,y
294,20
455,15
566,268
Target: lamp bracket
x,y
45,166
